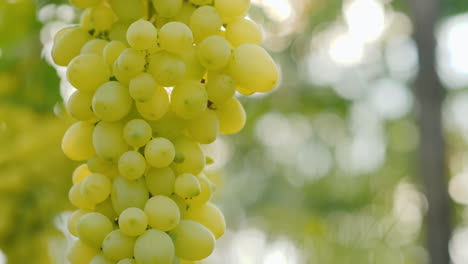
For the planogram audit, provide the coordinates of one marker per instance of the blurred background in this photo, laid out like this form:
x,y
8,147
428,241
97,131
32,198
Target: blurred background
x,y
344,162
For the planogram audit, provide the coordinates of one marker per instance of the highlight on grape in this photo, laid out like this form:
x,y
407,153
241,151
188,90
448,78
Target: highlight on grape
x,y
154,81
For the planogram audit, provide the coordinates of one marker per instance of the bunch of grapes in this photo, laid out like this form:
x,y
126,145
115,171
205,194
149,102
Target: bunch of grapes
x,y
154,81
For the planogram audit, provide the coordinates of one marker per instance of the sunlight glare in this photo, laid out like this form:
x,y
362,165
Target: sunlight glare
x,y
346,50
365,19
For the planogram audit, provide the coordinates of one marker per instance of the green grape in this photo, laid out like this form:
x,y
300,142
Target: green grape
x,y
189,99
242,31
167,8
101,259
181,203
230,10
220,88
170,126
80,173
106,209
194,159
185,13
111,102
193,68
210,216
244,91
98,164
141,35
77,141
204,128
160,181
129,64
118,31
154,246
231,116
94,46
68,45
87,72
253,69
80,253
95,188
92,228
85,3
214,52
142,87
175,37
85,20
206,191
112,51
159,152
102,17
201,2
132,165
79,106
133,221
77,199
137,133
205,22
192,240
126,11
108,140
166,68
73,220
187,186
128,193
127,261
156,106
117,246
163,213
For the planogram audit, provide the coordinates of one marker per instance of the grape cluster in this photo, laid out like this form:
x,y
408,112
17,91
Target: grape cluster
x,y
154,80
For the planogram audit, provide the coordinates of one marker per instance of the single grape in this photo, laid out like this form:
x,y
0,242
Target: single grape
x,y
167,8
117,246
214,52
92,228
94,46
230,10
194,159
80,252
87,72
80,173
187,186
77,141
79,106
142,87
192,240
189,99
163,213
102,17
96,188
205,22
111,102
204,128
160,181
137,133
154,246
159,152
133,221
231,116
141,35
242,31
132,165
167,69
156,106
128,193
108,140
175,37
112,51
208,215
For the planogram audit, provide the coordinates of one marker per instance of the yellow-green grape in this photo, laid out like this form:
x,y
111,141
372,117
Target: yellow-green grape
x,y
192,240
142,87
210,216
102,17
98,164
94,46
85,3
201,2
167,8
193,68
175,37
77,199
101,259
128,193
185,13
133,221
92,228
189,99
170,126
127,261
253,69
108,140
244,91
231,116
141,35
137,133
206,191
167,69
163,213
95,188
85,20
154,246
111,102
194,159
205,22
160,181
80,253
77,141
132,165
187,186
117,246
204,128
156,106
80,173
73,220
68,45
242,31
87,72
129,64
159,152
220,88
129,12
79,106
230,10
181,203
106,209
214,52
112,51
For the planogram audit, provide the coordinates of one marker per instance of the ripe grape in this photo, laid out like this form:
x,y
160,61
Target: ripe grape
x,y
159,152
187,185
133,221
192,240
92,228
163,213
117,246
154,246
141,34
